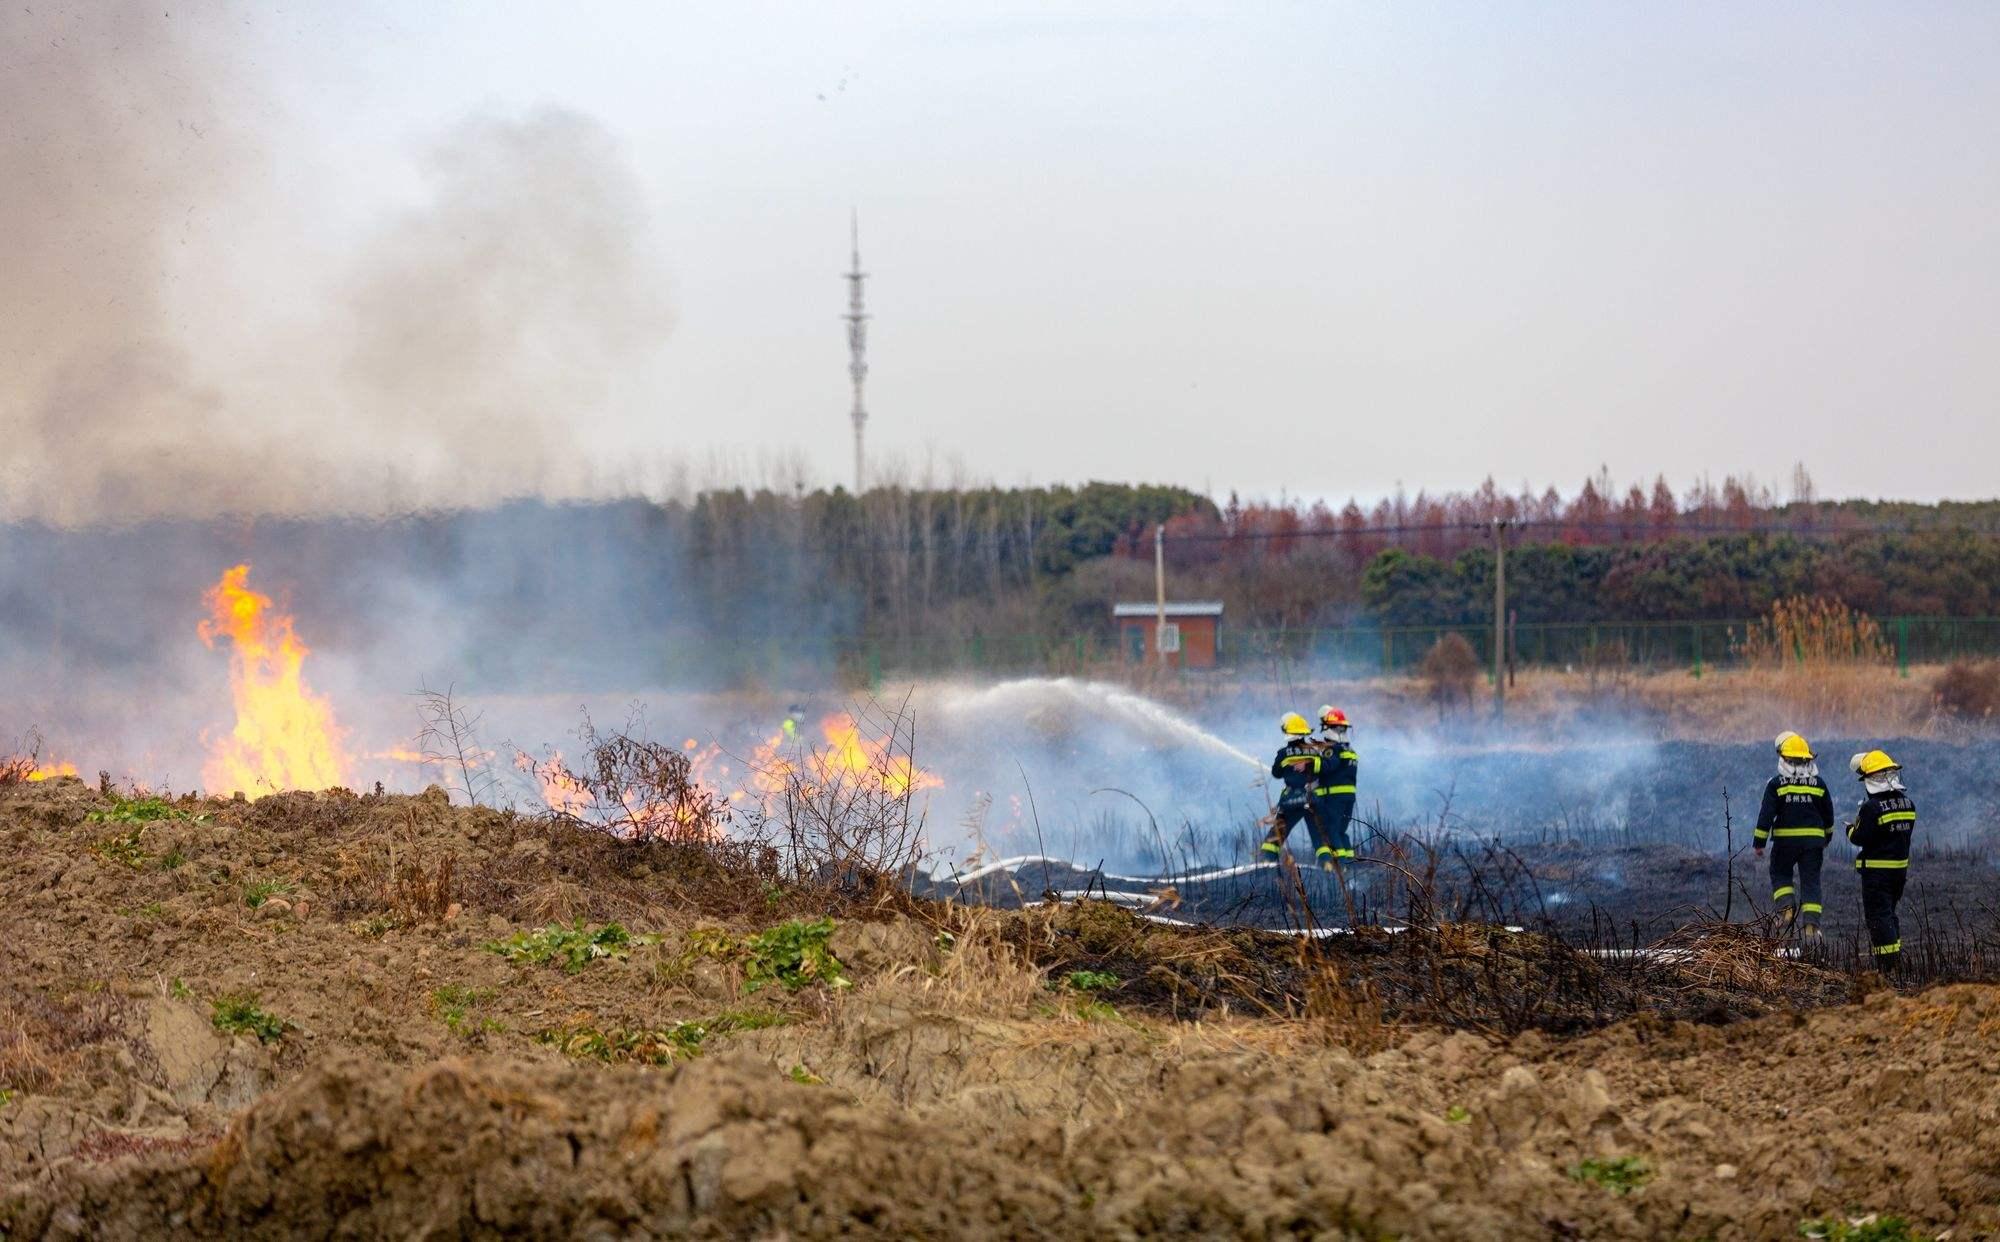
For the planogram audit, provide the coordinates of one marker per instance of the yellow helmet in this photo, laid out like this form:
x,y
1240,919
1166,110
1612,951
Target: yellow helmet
x,y
1792,746
1295,725
1873,763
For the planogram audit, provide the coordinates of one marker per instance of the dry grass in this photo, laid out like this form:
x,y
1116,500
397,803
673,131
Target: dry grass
x,y
42,1038
978,972
1739,702
1758,702
1814,633
1969,689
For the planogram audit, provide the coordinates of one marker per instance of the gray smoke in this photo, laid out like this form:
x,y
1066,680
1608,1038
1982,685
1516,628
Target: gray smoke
x,y
451,363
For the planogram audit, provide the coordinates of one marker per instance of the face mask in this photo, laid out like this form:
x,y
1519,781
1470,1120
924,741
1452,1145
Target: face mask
x,y
1798,769
1886,782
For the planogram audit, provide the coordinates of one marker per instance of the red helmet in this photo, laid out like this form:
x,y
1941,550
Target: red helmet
x,y
1332,718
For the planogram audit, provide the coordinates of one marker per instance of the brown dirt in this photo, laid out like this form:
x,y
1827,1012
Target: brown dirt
x,y
948,1092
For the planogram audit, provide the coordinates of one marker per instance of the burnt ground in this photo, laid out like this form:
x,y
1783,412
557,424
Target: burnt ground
x,y
284,1017
1605,897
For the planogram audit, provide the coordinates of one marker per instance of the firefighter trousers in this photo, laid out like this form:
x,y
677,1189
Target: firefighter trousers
x,y
1333,813
1803,855
1290,811
1881,889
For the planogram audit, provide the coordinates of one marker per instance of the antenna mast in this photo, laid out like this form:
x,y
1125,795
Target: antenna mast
x,y
857,346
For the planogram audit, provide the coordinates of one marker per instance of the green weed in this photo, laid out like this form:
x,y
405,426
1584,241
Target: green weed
x,y
239,1015
1097,1011
679,1042
257,892
1087,981
801,1074
455,1004
179,990
794,954
1869,1228
1458,1115
620,1045
6,1097
575,947
123,849
1620,1175
141,810
173,859
746,1020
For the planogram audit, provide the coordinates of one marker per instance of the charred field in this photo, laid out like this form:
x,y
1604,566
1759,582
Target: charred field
x,y
385,1015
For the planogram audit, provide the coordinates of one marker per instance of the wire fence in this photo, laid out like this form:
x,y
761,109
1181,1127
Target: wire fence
x,y
1373,650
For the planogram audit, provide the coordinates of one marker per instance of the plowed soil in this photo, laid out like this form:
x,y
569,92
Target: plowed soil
x,y
964,1082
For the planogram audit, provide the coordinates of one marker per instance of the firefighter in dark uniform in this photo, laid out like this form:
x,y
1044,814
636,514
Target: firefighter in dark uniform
x,y
1333,796
1298,766
1883,825
1796,821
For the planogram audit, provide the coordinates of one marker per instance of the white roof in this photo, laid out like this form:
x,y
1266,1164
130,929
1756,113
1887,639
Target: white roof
x,y
1186,608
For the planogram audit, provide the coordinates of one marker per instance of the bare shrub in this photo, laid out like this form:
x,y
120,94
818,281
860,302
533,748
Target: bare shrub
x,y
25,763
845,812
1451,670
629,787
419,889
1968,689
1814,632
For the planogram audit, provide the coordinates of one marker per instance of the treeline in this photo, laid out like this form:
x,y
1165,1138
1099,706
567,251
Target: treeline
x,y
769,584
1724,577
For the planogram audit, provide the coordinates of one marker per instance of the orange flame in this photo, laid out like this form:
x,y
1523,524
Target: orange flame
x,y
672,818
849,752
285,735
848,756
27,768
563,792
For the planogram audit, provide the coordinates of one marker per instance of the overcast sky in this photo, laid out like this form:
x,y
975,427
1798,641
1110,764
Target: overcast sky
x,y
1320,249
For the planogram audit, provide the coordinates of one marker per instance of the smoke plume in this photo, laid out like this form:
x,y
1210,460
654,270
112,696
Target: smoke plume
x,y
452,362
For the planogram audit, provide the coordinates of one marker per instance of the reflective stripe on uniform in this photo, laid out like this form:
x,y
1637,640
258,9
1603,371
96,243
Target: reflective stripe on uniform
x,y
1898,817
1882,864
1814,790
1799,832
1894,946
1343,853
1348,754
1334,789
1324,851
1779,894
1272,847
1811,907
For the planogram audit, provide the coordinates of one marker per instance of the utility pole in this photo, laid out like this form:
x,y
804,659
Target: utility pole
x,y
1160,589
1499,617
857,345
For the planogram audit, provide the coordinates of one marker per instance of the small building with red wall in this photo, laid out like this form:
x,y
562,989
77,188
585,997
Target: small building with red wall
x,y
1197,622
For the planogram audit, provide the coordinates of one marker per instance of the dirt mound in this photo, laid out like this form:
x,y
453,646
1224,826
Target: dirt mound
x,y
331,1014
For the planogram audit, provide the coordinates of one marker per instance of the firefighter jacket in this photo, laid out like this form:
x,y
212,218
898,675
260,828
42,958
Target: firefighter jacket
x,y
1298,765
1795,807
1337,769
1881,831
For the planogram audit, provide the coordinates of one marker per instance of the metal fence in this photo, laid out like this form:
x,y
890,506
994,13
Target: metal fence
x,y
1366,650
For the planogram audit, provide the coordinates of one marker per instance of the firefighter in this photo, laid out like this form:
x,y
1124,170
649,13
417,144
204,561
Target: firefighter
x,y
1796,821
1298,766
1333,795
1881,831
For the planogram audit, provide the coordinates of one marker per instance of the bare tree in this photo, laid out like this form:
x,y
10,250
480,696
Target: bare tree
x,y
448,739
